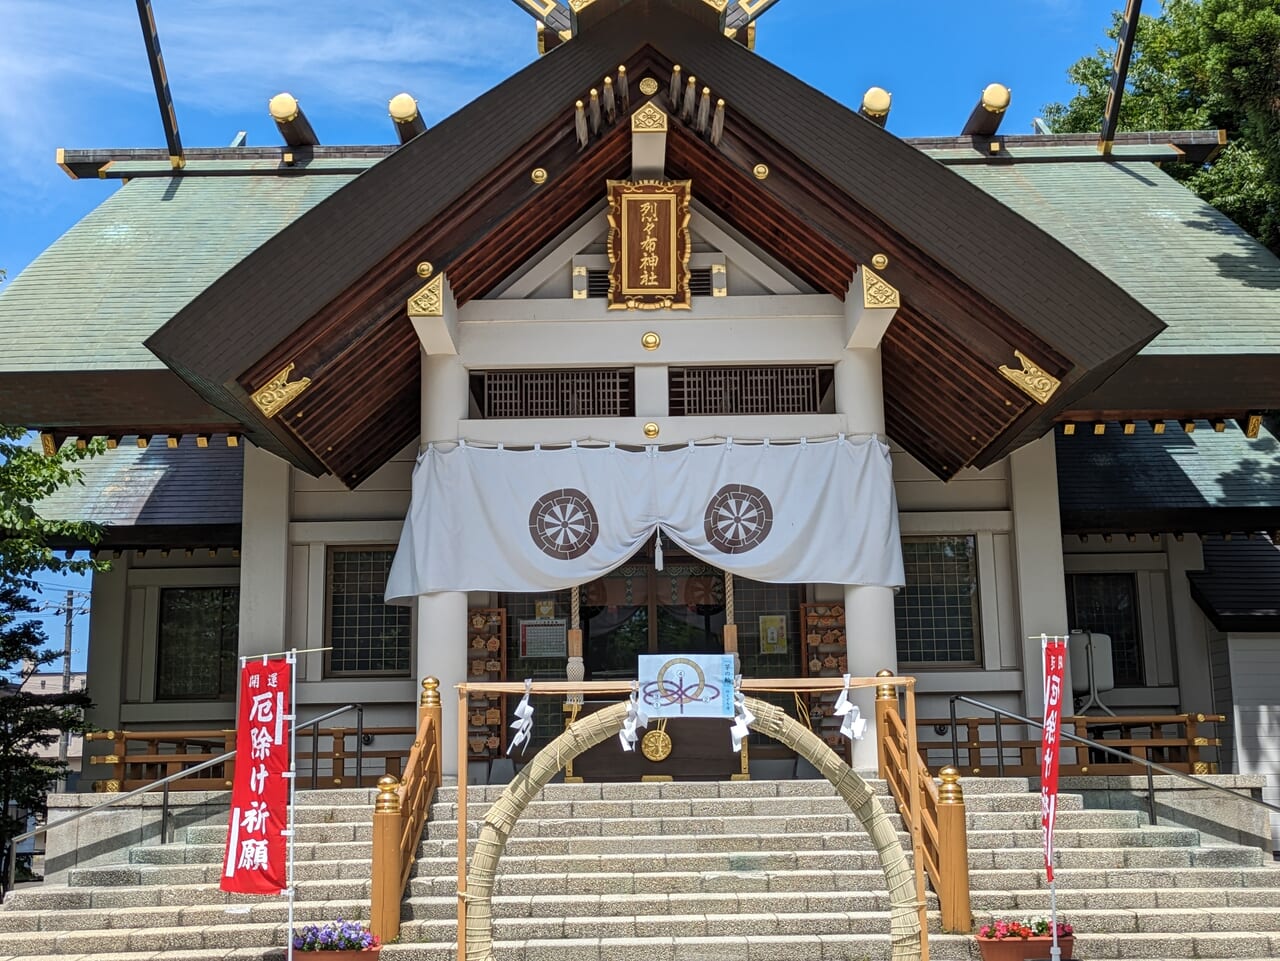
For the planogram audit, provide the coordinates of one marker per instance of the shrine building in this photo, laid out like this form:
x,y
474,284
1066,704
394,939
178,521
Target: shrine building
x,y
650,339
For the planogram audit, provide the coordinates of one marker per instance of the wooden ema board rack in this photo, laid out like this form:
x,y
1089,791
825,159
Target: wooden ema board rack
x,y
825,654
486,661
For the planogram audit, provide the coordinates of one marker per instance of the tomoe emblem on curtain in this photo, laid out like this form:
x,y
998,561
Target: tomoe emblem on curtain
x,y
564,524
738,518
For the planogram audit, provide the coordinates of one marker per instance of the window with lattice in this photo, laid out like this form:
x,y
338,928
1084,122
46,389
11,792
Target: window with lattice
x,y
764,389
582,392
368,637
937,612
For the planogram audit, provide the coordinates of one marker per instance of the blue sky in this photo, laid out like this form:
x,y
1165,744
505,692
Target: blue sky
x,y
73,74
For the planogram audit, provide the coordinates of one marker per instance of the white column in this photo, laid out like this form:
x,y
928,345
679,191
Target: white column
x,y
870,634
108,634
1038,566
1190,639
264,553
441,621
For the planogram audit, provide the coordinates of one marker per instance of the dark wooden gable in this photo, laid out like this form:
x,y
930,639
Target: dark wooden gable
x,y
977,281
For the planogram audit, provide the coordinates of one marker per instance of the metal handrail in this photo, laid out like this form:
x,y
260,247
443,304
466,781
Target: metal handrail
x,y
1150,765
11,868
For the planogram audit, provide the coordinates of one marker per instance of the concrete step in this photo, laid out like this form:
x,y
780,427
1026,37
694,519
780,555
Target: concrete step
x,y
43,897
651,790
1085,879
732,806
213,853
660,903
264,912
1145,837
989,903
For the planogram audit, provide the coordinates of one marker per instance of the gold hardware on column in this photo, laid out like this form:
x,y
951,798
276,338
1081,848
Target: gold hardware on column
x,y
650,341
651,430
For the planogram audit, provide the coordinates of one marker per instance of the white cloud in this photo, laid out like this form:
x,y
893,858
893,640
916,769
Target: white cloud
x,y
74,73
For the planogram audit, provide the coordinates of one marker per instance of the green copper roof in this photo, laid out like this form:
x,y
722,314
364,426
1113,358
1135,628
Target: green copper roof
x,y
89,301
1216,288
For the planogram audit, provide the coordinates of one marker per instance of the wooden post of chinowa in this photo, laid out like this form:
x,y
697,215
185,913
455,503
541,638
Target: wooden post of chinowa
x,y
384,912
886,702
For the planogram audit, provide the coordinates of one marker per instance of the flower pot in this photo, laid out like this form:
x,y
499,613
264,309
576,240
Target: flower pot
x,y
1022,949
352,955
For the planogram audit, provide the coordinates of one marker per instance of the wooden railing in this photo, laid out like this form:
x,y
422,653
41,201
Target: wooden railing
x,y
1174,740
138,758
400,814
944,845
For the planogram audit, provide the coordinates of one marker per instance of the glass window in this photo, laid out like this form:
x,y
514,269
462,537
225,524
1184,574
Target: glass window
x,y
367,635
1108,604
198,643
937,612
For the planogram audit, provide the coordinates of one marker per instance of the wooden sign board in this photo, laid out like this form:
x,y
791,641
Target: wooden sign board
x,y
649,244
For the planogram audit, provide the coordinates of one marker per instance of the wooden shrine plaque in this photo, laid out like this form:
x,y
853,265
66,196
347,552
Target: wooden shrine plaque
x,y
649,244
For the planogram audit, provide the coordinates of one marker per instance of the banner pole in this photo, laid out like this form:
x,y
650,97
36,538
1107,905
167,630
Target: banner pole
x,y
291,659
1055,952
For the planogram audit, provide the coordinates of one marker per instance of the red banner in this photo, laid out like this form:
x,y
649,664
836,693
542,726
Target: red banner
x,y
1055,660
257,849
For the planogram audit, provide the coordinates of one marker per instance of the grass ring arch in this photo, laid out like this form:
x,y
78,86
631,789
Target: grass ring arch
x,y
587,732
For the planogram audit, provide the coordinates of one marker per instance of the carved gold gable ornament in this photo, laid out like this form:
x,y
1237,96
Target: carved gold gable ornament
x,y
272,397
1032,380
649,244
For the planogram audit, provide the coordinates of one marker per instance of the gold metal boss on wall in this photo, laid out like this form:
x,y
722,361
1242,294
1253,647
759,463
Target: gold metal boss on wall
x,y
649,244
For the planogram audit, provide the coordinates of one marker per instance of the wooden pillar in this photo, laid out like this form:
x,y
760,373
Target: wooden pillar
x,y
886,701
384,909
953,855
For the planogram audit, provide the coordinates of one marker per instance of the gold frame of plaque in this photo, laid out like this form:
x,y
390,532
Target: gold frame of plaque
x,y
649,244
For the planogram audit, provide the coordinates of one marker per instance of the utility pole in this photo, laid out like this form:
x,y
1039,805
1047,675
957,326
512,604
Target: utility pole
x,y
64,742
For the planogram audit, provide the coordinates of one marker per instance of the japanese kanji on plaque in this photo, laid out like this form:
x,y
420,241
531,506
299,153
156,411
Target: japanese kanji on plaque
x,y
649,244
256,859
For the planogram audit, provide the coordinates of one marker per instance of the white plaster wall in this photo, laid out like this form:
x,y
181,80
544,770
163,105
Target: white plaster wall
x,y
1255,685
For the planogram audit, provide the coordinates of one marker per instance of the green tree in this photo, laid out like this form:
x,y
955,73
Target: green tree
x,y
1200,64
31,719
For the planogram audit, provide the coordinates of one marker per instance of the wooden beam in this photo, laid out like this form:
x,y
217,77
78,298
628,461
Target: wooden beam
x,y
985,119
168,115
408,121
292,123
1119,74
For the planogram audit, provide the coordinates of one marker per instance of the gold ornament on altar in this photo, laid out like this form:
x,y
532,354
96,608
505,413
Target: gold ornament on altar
x,y
656,745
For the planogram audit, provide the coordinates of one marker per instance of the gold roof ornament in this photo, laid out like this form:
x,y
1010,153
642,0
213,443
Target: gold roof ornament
x,y
1033,380
279,392
648,118
877,292
429,300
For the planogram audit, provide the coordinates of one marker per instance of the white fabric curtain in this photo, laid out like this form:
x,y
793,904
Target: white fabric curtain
x,y
524,521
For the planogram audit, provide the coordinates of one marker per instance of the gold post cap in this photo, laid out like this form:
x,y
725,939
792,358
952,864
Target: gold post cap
x,y
430,692
885,692
950,792
651,430
388,801
876,102
283,108
403,108
996,97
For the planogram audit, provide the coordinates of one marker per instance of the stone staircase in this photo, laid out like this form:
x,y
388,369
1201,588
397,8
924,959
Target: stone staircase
x,y
749,871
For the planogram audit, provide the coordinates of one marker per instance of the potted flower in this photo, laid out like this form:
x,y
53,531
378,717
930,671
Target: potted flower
x,y
1005,939
340,940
